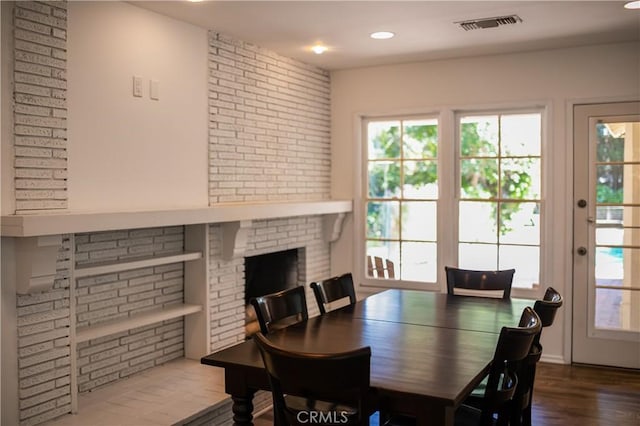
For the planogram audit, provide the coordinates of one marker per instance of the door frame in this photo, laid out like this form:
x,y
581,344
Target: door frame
x,y
569,210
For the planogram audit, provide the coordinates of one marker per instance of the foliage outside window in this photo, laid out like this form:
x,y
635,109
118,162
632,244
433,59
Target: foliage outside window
x,y
402,196
499,213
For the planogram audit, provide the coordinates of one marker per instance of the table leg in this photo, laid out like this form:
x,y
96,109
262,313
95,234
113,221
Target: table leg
x,y
242,410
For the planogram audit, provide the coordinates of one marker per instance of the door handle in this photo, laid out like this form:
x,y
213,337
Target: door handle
x,y
582,251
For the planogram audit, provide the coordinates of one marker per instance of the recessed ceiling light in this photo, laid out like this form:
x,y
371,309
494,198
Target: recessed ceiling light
x,y
382,35
632,5
319,49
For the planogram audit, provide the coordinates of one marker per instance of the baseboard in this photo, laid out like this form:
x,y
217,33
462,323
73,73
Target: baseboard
x,y
553,359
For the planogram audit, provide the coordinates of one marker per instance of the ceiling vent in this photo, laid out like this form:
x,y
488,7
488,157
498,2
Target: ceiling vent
x,y
475,24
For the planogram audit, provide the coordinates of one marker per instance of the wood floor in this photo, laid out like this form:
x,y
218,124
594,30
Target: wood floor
x,y
567,395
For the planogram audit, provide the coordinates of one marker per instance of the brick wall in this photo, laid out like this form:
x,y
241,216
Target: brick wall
x,y
227,276
269,125
105,297
40,105
44,348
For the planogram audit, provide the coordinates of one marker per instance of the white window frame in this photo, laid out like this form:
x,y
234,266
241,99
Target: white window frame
x,y
448,194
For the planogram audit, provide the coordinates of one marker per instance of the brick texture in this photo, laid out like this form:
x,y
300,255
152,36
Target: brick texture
x,y
44,348
269,125
118,295
227,276
40,105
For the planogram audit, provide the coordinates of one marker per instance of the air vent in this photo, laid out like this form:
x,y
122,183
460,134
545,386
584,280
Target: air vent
x,y
475,24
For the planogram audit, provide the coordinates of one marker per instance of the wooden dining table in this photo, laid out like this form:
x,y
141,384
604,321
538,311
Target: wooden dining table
x,y
428,350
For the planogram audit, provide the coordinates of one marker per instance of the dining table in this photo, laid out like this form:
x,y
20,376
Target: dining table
x,y
428,350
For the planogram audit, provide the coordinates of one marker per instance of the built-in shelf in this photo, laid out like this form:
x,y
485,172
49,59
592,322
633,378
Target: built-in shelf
x,y
52,223
136,263
134,321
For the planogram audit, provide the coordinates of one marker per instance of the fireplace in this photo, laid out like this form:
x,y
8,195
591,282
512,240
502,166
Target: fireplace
x,y
265,274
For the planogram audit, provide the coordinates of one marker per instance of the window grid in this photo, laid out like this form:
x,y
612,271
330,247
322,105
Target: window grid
x,y
500,157
402,160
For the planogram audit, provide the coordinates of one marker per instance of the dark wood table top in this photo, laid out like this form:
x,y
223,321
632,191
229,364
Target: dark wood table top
x,y
441,310
426,348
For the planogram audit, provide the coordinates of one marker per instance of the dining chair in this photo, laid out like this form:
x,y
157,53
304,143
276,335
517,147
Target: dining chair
x,y
314,388
334,289
477,281
278,310
513,346
546,310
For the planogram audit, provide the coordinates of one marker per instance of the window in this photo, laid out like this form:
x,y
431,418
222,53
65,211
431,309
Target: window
x,y
499,167
489,203
401,198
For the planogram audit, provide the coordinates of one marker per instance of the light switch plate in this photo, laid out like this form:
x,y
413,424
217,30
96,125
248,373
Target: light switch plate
x,y
154,90
137,86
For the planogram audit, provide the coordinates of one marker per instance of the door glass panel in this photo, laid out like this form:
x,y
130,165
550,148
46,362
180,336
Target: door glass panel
x,y
617,229
615,309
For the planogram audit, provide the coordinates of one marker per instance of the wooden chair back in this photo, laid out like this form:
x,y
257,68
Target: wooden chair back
x,y
479,280
546,310
378,267
278,310
336,385
512,347
333,289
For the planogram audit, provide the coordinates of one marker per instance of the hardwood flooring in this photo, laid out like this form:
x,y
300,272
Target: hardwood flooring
x,y
568,395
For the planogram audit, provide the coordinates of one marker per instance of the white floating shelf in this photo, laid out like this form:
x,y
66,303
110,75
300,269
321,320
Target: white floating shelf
x,y
26,225
136,263
134,321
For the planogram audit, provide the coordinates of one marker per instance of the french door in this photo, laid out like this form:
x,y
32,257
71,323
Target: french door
x,y
606,252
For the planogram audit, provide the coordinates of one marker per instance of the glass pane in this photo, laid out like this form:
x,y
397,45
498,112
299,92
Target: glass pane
x,y
383,219
525,260
419,219
477,222
617,236
384,139
521,134
385,250
617,266
420,139
479,178
479,136
420,179
617,309
521,178
478,256
609,184
419,262
611,142
384,179
614,214
520,223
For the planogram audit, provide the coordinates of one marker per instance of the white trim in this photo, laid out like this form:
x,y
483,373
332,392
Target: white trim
x,y
26,225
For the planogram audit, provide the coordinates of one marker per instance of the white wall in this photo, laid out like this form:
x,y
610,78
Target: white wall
x,y
128,153
554,78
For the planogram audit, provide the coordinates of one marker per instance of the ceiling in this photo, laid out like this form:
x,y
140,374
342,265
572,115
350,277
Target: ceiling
x,y
425,30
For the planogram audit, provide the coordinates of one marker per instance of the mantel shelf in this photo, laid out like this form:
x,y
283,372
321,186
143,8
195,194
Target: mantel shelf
x,y
134,321
52,223
134,263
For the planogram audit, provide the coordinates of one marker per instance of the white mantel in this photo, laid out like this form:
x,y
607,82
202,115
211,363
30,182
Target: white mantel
x,y
31,225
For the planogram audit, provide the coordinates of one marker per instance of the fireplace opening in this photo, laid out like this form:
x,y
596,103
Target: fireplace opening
x,y
266,274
